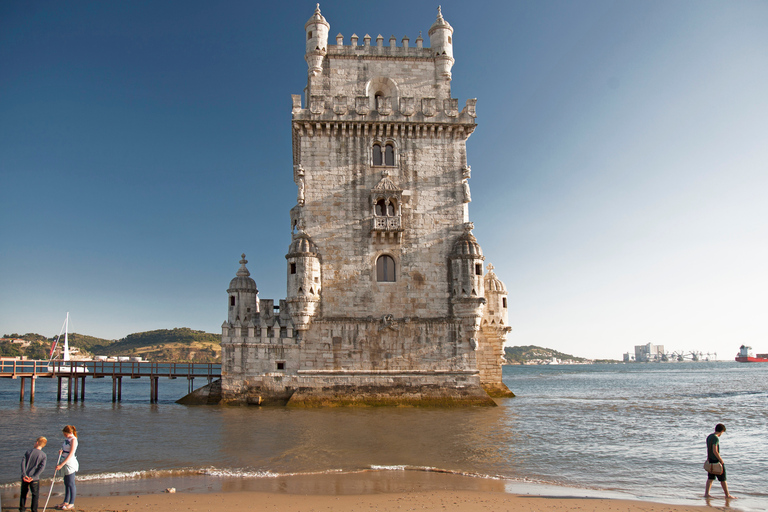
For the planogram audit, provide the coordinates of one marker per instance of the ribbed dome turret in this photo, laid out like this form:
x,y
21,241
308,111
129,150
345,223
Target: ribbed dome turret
x,y
317,17
467,245
243,281
439,22
493,283
302,244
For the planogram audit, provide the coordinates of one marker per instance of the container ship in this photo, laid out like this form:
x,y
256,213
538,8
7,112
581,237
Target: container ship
x,y
745,356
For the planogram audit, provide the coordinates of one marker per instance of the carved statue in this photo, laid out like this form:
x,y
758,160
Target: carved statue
x,y
467,194
300,195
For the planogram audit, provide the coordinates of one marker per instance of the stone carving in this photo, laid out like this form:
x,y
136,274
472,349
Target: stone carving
x,y
428,107
451,107
361,105
472,107
388,322
340,105
384,105
300,194
466,173
407,107
317,105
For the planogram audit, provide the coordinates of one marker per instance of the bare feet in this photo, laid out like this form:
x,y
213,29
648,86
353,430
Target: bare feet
x,y
730,497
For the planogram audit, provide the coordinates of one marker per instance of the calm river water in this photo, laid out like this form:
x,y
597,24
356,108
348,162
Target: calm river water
x,y
627,430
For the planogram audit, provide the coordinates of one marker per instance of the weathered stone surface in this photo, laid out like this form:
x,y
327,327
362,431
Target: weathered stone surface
x,y
387,299
209,394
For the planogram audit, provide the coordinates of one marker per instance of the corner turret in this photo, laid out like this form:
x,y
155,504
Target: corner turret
x,y
316,29
243,296
303,280
467,284
441,42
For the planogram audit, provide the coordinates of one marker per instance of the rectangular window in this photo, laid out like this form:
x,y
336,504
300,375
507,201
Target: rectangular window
x,y
293,268
281,365
504,301
232,300
479,269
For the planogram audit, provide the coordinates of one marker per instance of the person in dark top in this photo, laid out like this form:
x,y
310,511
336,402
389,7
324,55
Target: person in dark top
x,y
32,466
713,456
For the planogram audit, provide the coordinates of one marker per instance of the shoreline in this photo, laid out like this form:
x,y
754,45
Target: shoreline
x,y
381,490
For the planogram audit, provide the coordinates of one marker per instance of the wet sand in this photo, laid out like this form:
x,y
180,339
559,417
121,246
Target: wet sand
x,y
448,501
383,490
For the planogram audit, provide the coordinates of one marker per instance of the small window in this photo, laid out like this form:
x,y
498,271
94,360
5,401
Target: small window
x,y
293,268
309,35
479,269
504,302
450,41
385,269
377,160
281,365
232,300
389,154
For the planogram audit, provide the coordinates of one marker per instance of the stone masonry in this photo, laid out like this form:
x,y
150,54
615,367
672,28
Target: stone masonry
x,y
388,300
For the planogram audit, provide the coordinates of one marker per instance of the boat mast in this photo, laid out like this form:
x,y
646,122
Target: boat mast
x,y
66,339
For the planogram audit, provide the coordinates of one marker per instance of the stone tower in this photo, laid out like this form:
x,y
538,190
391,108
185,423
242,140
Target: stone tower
x,y
387,299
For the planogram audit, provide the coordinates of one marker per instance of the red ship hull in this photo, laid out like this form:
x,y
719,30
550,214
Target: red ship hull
x,y
740,359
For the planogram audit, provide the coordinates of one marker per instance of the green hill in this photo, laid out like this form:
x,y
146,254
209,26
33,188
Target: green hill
x,y
531,354
178,345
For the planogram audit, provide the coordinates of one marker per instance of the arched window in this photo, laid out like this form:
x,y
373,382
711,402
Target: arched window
x,y
389,154
390,208
377,160
381,207
385,269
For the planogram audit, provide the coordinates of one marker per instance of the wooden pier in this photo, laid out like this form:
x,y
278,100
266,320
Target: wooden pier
x,y
77,372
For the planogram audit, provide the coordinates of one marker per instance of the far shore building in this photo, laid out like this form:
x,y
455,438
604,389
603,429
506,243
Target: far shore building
x,y
649,353
389,297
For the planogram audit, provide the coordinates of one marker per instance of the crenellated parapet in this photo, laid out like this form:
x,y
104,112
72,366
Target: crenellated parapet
x,y
403,110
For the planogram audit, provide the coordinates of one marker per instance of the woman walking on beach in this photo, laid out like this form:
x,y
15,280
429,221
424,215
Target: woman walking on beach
x,y
713,456
70,466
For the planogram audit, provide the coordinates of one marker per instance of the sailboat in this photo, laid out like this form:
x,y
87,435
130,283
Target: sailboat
x,y
63,367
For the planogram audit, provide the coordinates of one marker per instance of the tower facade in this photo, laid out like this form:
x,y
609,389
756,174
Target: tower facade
x,y
387,297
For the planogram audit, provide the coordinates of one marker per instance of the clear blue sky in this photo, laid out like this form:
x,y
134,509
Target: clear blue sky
x,y
620,165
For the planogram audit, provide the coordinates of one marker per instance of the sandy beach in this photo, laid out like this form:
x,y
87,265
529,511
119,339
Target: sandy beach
x,y
379,491
447,501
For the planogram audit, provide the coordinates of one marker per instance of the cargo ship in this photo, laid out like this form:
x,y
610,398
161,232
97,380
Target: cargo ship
x,y
745,356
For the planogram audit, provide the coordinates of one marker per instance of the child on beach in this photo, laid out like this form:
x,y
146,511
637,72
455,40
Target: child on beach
x,y
32,466
70,466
